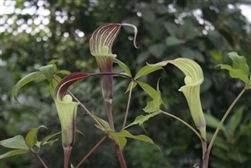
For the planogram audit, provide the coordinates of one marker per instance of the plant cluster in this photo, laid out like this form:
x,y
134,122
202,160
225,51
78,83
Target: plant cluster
x,y
66,102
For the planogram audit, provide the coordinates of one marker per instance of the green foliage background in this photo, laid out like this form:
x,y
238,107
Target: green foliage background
x,y
201,30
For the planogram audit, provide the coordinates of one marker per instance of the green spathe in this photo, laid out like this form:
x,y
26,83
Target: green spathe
x,y
67,112
191,89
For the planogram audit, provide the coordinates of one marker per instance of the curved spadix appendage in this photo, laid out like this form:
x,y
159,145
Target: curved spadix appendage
x,y
193,79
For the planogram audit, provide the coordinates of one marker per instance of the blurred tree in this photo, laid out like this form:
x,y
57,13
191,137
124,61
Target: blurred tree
x,y
33,32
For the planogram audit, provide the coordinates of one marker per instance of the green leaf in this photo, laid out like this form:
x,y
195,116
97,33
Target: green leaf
x,y
213,122
50,143
239,69
239,62
157,50
31,137
147,15
144,138
105,124
235,73
48,137
150,90
172,41
25,80
13,153
249,83
63,72
146,70
123,67
171,28
121,140
142,57
48,72
141,119
216,55
234,121
16,142
152,106
80,132
192,54
134,84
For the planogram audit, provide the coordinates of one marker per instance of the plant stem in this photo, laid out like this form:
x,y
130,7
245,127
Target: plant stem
x,y
91,151
128,105
39,158
67,154
203,141
182,121
205,161
119,153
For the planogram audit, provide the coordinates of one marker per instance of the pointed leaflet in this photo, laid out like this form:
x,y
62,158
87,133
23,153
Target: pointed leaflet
x,y
234,122
48,137
120,138
25,80
123,67
153,105
48,72
105,124
16,142
131,85
146,70
31,137
239,69
141,119
213,122
13,153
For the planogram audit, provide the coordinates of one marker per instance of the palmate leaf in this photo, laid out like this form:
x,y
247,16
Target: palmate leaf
x,y
239,68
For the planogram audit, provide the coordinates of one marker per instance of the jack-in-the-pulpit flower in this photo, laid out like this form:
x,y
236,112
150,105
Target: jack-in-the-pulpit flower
x,y
191,89
67,112
67,108
101,43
